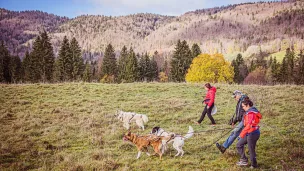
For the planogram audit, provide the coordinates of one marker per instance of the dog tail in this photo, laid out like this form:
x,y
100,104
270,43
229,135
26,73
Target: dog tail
x,y
190,133
145,118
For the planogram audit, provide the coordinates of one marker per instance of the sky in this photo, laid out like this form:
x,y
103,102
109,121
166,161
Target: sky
x,y
73,8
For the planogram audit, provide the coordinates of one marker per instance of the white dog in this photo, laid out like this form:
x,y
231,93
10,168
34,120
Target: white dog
x,y
178,140
128,117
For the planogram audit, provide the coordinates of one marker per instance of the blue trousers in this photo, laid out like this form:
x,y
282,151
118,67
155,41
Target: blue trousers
x,y
234,134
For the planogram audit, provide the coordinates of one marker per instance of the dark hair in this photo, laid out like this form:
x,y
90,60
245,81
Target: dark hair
x,y
208,85
247,102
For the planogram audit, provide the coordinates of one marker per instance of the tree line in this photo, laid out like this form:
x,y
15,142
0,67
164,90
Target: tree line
x,y
41,65
260,70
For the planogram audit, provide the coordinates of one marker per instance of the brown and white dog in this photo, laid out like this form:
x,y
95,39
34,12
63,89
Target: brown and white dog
x,y
143,142
178,140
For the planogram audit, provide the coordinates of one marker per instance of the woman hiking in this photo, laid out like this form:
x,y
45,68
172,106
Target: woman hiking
x,y
209,101
250,134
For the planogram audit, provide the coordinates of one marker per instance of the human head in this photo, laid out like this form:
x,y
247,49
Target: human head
x,y
237,94
247,104
207,86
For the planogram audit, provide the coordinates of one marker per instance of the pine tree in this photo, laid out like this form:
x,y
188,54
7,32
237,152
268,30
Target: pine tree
x,y
77,60
15,69
289,56
275,69
283,72
181,61
26,64
132,71
46,57
196,50
122,63
240,69
65,60
2,54
145,68
87,75
5,59
109,65
300,69
236,71
154,68
35,62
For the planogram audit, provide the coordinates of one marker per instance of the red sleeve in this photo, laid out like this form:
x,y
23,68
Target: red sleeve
x,y
212,96
248,125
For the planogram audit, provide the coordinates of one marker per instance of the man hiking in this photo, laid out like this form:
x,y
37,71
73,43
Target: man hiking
x,y
237,117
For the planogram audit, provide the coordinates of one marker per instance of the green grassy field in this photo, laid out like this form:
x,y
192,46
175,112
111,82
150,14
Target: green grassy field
x,y
72,126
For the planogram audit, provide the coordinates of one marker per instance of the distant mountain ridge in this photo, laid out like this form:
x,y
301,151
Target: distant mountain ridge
x,y
242,28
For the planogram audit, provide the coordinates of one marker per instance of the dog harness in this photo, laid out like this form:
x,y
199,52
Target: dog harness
x,y
131,118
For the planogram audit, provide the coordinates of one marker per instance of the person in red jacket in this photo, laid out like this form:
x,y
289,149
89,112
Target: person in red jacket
x,y
250,134
209,101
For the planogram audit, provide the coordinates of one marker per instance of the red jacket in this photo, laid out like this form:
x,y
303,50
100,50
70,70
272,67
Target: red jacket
x,y
251,121
210,96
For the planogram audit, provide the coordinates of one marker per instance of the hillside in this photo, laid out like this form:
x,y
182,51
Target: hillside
x,y
241,28
17,28
72,126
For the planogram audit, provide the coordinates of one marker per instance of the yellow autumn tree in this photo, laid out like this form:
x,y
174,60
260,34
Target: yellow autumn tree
x,y
210,68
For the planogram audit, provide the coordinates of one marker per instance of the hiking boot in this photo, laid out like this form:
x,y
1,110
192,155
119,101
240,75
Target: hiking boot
x,y
253,167
242,163
221,148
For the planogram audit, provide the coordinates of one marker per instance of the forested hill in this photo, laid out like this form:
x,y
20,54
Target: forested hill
x,y
242,28
17,28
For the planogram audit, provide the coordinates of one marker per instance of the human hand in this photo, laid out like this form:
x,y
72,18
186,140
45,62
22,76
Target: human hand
x,y
208,107
232,125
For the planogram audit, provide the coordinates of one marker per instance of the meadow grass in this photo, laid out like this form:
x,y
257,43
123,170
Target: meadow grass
x,y
71,126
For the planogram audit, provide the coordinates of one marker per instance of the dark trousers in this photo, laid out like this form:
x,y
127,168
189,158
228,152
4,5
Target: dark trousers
x,y
251,140
208,111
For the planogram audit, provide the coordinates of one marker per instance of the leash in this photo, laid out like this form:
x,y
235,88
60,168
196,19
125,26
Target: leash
x,y
198,132
218,138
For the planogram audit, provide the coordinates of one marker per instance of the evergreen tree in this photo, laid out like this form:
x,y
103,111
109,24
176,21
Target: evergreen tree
x,y
283,72
132,71
275,66
145,68
5,60
252,66
65,60
122,63
87,75
46,57
196,50
300,69
181,61
35,62
240,69
289,57
2,54
15,69
26,67
154,67
109,65
77,60
269,62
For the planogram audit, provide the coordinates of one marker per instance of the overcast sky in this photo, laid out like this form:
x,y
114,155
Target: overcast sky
x,y
73,8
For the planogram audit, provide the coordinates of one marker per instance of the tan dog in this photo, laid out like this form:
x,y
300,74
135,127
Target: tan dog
x,y
142,143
